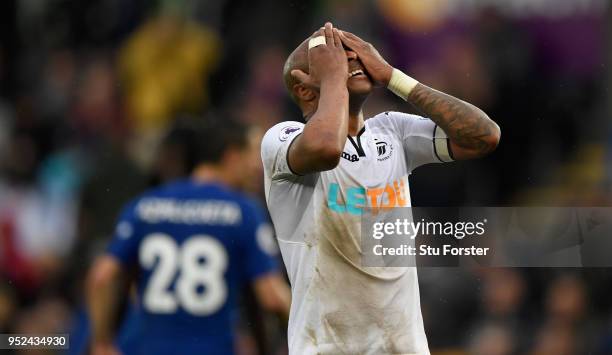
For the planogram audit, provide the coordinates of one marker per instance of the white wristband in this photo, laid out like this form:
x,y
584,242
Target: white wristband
x,y
401,84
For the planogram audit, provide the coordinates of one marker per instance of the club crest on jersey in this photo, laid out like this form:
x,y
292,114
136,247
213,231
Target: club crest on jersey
x,y
383,150
287,131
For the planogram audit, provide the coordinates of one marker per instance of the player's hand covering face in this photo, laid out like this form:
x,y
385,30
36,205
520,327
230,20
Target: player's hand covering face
x,y
376,66
326,61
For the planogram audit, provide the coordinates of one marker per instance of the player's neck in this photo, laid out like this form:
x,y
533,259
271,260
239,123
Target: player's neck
x,y
356,113
209,174
355,123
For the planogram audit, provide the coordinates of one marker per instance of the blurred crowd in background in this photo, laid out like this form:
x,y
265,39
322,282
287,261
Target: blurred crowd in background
x,y
89,91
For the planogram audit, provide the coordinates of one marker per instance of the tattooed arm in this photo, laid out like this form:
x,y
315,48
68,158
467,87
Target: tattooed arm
x,y
471,132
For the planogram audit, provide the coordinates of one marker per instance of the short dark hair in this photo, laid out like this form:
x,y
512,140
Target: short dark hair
x,y
206,139
217,135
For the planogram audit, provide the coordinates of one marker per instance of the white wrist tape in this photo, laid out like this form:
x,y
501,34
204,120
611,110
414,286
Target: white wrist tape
x,y
317,41
401,84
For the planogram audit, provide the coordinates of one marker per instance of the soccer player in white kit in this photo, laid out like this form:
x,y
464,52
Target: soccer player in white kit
x,y
319,177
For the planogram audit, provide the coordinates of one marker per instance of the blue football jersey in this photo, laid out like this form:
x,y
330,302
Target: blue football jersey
x,y
195,246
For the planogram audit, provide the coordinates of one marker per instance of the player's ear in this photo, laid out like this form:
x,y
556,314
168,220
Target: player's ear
x,y
304,93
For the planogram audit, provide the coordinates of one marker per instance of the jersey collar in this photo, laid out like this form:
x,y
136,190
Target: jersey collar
x,y
356,142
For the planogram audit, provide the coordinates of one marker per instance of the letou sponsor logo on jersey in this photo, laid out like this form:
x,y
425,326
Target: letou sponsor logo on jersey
x,y
356,198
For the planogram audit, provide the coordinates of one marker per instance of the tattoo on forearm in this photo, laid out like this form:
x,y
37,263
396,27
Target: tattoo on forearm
x,y
465,124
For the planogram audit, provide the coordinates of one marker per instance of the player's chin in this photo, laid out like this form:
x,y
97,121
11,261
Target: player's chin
x,y
360,85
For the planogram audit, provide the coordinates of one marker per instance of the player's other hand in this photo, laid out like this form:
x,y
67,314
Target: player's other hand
x,y
104,348
377,67
325,62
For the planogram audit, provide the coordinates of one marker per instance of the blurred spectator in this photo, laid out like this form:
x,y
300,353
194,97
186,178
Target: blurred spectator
x,y
568,315
565,301
95,111
37,220
492,339
164,67
502,293
8,306
48,316
554,340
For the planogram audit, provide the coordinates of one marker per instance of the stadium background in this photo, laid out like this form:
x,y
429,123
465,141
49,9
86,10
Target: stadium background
x,y
88,89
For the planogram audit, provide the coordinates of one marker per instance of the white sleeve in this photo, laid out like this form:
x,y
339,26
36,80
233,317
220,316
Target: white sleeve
x,y
424,141
275,146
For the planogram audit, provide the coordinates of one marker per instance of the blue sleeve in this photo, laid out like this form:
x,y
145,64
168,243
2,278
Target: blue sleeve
x,y
126,238
260,248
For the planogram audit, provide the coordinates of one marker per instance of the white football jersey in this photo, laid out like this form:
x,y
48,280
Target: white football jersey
x,y
338,305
